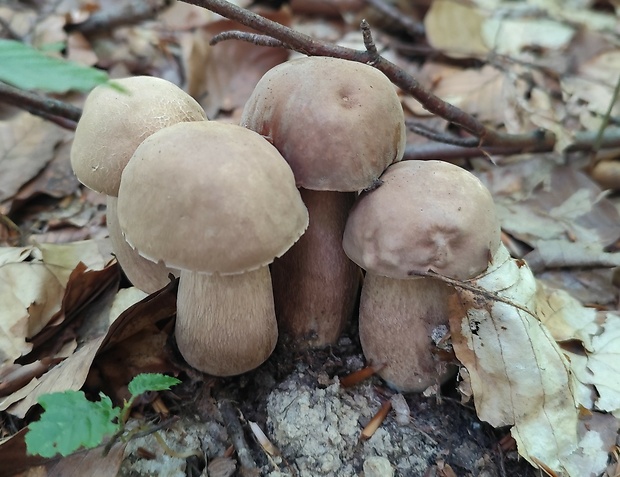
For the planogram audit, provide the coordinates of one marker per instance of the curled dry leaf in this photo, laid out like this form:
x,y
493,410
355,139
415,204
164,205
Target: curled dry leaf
x,y
30,295
27,144
519,374
595,364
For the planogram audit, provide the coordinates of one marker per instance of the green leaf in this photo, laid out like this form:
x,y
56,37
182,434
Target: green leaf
x,y
27,68
70,421
151,382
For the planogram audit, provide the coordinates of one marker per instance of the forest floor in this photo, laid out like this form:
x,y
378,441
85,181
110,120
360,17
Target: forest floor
x,y
73,321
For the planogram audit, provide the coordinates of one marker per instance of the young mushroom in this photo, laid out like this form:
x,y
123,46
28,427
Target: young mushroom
x,y
115,120
339,124
218,202
425,216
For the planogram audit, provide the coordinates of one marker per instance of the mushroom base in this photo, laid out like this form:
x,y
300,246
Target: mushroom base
x,y
397,321
315,284
142,273
226,325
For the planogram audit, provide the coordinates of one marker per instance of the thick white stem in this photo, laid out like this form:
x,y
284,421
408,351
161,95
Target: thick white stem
x,y
226,325
398,320
315,283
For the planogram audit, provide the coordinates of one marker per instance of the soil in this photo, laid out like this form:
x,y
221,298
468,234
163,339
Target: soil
x,y
315,424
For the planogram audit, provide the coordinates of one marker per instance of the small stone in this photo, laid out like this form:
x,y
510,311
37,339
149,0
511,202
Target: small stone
x,y
378,467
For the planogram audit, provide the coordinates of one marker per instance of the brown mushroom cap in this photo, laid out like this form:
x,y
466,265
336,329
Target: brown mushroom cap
x,y
426,215
338,123
115,122
210,197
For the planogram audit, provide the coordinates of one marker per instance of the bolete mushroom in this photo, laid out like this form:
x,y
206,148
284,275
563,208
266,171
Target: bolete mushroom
x,y
339,124
219,203
425,216
115,120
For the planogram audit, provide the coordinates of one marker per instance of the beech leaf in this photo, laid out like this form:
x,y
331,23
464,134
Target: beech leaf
x,y
519,374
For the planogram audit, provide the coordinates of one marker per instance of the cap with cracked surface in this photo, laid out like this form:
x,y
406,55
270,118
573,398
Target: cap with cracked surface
x,y
338,123
211,198
115,122
426,215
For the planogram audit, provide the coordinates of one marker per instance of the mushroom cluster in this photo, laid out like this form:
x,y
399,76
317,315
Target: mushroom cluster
x,y
216,203
116,118
268,223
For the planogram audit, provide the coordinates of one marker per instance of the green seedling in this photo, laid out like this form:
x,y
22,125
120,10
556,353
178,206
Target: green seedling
x,y
70,421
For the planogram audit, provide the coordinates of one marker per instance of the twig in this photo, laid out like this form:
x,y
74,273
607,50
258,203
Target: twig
x,y
476,290
439,136
37,104
439,151
235,431
108,19
583,141
412,27
605,123
140,431
254,38
369,43
309,46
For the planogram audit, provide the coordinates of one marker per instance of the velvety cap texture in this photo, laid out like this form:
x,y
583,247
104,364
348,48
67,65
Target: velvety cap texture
x,y
114,122
338,123
211,198
426,215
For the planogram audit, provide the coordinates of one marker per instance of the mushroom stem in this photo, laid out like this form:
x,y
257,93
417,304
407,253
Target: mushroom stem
x,y
410,315
226,324
144,274
315,284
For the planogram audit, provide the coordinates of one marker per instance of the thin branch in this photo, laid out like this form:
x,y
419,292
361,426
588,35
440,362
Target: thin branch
x,y
588,140
237,436
444,152
312,47
584,141
63,114
369,43
254,38
445,138
605,123
109,19
470,286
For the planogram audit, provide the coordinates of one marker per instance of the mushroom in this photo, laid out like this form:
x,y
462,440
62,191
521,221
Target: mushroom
x,y
218,202
339,124
425,216
115,120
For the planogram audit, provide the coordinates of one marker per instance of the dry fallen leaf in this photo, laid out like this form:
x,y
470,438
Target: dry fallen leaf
x,y
561,206
31,295
455,28
519,375
223,76
39,298
477,91
511,36
27,144
596,365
